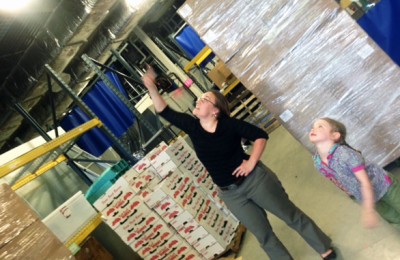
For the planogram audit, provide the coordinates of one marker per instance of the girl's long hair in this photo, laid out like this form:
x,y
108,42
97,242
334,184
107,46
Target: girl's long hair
x,y
341,129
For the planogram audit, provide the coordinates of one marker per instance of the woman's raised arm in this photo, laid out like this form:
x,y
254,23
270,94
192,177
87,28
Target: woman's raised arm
x,y
149,80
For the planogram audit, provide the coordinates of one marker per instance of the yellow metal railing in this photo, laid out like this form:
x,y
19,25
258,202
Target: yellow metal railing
x,y
199,58
230,87
47,147
25,180
85,231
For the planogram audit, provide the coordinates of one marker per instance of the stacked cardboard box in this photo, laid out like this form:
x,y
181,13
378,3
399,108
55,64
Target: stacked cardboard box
x,y
23,235
188,163
70,217
164,213
304,60
136,224
221,75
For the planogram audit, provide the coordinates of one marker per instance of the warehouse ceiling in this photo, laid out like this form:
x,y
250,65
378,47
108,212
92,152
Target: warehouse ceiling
x,y
57,33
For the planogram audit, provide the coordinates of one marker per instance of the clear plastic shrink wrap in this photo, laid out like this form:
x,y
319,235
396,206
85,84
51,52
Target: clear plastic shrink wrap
x,y
308,59
204,14
23,235
11,205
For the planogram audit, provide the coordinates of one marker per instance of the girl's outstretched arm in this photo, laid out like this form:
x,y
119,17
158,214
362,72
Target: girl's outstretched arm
x,y
369,216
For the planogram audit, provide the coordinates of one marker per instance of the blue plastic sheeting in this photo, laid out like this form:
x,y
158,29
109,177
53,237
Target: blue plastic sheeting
x,y
191,43
109,109
382,24
94,141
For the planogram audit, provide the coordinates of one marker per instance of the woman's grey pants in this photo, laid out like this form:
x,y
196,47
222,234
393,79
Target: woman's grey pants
x,y
261,191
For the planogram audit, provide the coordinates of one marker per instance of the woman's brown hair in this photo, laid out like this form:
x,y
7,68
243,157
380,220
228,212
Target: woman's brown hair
x,y
221,103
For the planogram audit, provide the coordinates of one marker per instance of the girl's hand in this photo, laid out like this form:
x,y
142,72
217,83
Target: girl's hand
x,y
244,169
369,218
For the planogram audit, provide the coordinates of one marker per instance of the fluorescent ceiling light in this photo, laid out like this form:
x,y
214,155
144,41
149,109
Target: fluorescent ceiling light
x,y
135,4
13,5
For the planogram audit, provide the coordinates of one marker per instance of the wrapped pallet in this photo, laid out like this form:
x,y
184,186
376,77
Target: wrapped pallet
x,y
23,235
305,60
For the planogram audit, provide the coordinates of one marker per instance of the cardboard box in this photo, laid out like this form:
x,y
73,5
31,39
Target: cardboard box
x,y
70,217
173,213
213,251
160,248
204,243
166,168
120,189
181,220
165,206
172,247
147,178
152,198
188,228
196,235
142,165
181,152
221,75
136,225
184,252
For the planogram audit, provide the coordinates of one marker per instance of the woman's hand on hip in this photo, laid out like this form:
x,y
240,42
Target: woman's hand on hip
x,y
244,169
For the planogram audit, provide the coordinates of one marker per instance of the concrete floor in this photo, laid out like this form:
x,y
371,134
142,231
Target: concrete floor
x,y
336,214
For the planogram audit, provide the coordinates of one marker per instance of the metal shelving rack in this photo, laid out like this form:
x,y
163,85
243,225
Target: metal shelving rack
x,y
54,152
58,145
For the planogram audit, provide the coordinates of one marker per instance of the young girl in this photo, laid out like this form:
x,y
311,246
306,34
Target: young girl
x,y
367,183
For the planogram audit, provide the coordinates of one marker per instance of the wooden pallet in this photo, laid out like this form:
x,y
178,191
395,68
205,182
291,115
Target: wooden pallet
x,y
231,258
237,241
234,247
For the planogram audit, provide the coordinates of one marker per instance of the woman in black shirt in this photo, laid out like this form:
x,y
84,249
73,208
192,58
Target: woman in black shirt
x,y
246,185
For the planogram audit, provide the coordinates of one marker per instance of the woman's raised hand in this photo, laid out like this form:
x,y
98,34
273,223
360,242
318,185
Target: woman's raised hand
x,y
149,79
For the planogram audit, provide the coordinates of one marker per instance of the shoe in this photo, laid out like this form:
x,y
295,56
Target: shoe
x,y
331,256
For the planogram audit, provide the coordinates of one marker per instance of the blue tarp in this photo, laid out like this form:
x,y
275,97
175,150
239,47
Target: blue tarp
x,y
382,24
191,43
108,108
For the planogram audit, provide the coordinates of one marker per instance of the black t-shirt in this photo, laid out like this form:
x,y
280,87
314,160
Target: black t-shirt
x,y
221,152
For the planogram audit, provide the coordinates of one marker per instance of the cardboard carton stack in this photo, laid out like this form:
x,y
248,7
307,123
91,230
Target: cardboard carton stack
x,y
221,75
23,235
165,213
304,60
